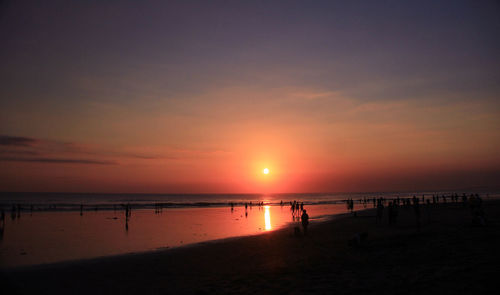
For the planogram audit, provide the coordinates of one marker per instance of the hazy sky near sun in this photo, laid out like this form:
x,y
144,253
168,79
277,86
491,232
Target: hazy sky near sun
x,y
200,96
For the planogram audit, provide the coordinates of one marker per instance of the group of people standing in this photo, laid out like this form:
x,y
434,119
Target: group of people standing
x,y
299,213
393,205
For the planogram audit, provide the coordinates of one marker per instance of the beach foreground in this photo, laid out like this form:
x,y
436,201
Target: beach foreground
x,y
447,255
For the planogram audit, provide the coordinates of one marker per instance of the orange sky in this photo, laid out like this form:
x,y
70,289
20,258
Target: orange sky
x,y
360,147
171,99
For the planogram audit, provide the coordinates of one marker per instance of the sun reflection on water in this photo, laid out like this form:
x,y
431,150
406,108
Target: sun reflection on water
x,y
267,218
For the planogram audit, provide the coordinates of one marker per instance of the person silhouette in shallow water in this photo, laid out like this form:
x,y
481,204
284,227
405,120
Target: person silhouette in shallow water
x,y
305,221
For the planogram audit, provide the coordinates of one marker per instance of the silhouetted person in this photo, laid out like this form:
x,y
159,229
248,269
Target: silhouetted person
x,y
305,221
393,213
416,208
389,213
350,205
479,201
380,212
127,211
472,203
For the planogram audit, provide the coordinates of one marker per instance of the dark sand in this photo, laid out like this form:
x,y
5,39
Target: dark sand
x,y
447,256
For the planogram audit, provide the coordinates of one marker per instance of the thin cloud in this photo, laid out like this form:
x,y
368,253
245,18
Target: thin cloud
x,y
20,152
19,148
58,161
17,140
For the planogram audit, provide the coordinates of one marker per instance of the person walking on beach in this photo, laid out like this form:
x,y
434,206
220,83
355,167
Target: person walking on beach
x,y
393,213
305,221
380,211
416,208
390,213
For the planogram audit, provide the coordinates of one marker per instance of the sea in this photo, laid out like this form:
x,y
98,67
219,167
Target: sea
x,y
41,228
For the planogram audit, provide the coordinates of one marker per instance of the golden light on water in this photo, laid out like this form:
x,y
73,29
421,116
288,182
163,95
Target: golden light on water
x,y
267,218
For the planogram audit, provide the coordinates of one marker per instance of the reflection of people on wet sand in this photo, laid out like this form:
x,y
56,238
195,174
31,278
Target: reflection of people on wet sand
x,y
305,221
128,212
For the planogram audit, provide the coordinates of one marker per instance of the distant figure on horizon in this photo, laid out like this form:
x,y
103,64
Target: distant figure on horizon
x,y
305,221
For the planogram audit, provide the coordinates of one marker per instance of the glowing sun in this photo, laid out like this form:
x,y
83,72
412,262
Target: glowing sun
x,y
265,171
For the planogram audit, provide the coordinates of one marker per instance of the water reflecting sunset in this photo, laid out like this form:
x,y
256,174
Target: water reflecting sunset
x,y
45,237
267,218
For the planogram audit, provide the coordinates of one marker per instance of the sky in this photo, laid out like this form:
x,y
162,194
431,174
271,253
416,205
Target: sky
x,y
201,96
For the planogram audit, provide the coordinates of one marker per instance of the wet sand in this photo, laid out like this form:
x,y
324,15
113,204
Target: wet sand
x,y
52,237
448,255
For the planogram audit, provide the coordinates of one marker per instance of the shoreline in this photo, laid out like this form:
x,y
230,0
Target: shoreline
x,y
447,255
159,251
